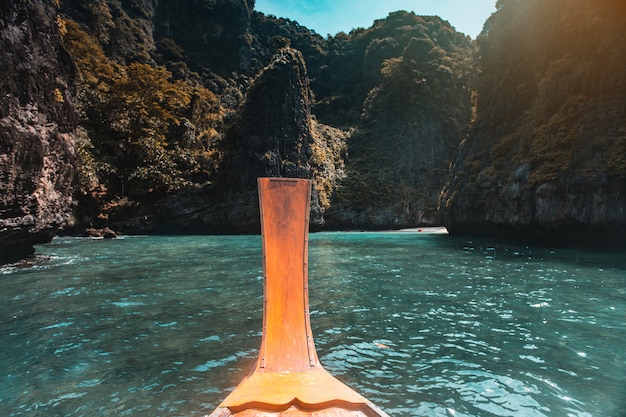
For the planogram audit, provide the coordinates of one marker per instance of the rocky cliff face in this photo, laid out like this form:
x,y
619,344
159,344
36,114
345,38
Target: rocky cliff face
x,y
547,153
215,35
139,153
271,135
123,28
183,104
417,109
37,121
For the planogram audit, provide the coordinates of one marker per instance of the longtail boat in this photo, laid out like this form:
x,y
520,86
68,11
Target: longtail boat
x,y
288,378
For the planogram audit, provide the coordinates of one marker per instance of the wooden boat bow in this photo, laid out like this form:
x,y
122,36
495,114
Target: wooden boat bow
x,y
288,378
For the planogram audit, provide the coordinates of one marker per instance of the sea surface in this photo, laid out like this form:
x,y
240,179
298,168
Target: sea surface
x,y
422,324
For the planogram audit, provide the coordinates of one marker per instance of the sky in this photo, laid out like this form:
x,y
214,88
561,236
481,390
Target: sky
x,y
333,16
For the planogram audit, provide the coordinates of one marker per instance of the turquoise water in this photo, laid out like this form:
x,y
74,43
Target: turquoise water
x,y
421,324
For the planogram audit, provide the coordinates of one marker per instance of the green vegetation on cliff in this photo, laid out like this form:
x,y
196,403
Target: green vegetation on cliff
x,y
547,148
416,107
553,87
147,135
378,117
391,100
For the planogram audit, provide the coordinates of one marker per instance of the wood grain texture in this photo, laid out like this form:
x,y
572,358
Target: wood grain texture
x,y
288,378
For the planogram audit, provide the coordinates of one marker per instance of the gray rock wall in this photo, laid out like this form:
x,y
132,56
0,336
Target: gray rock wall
x,y
37,121
546,155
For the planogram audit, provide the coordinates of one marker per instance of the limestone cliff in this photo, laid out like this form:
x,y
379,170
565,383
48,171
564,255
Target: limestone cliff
x,y
183,104
195,62
547,152
37,121
271,135
418,108
123,28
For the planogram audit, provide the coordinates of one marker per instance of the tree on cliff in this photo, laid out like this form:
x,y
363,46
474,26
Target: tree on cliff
x,y
149,134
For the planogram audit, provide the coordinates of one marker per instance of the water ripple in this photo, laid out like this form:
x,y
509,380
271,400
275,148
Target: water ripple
x,y
422,325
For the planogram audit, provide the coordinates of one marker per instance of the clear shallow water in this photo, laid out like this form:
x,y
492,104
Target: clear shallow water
x,y
421,324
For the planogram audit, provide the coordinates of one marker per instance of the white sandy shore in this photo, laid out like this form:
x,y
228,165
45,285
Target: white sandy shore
x,y
433,230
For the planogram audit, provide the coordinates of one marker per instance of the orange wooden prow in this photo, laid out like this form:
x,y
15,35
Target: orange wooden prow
x,y
288,374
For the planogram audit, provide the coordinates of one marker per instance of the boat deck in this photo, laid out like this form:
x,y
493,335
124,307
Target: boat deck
x,y
368,410
288,378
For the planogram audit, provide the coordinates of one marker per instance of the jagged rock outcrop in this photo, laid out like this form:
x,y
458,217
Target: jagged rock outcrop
x,y
271,135
547,152
37,121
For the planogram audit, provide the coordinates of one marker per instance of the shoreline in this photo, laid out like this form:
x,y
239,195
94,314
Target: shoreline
x,y
439,230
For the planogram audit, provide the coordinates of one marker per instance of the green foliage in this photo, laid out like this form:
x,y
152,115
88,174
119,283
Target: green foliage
x,y
399,45
279,42
412,119
87,168
150,135
328,152
550,91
